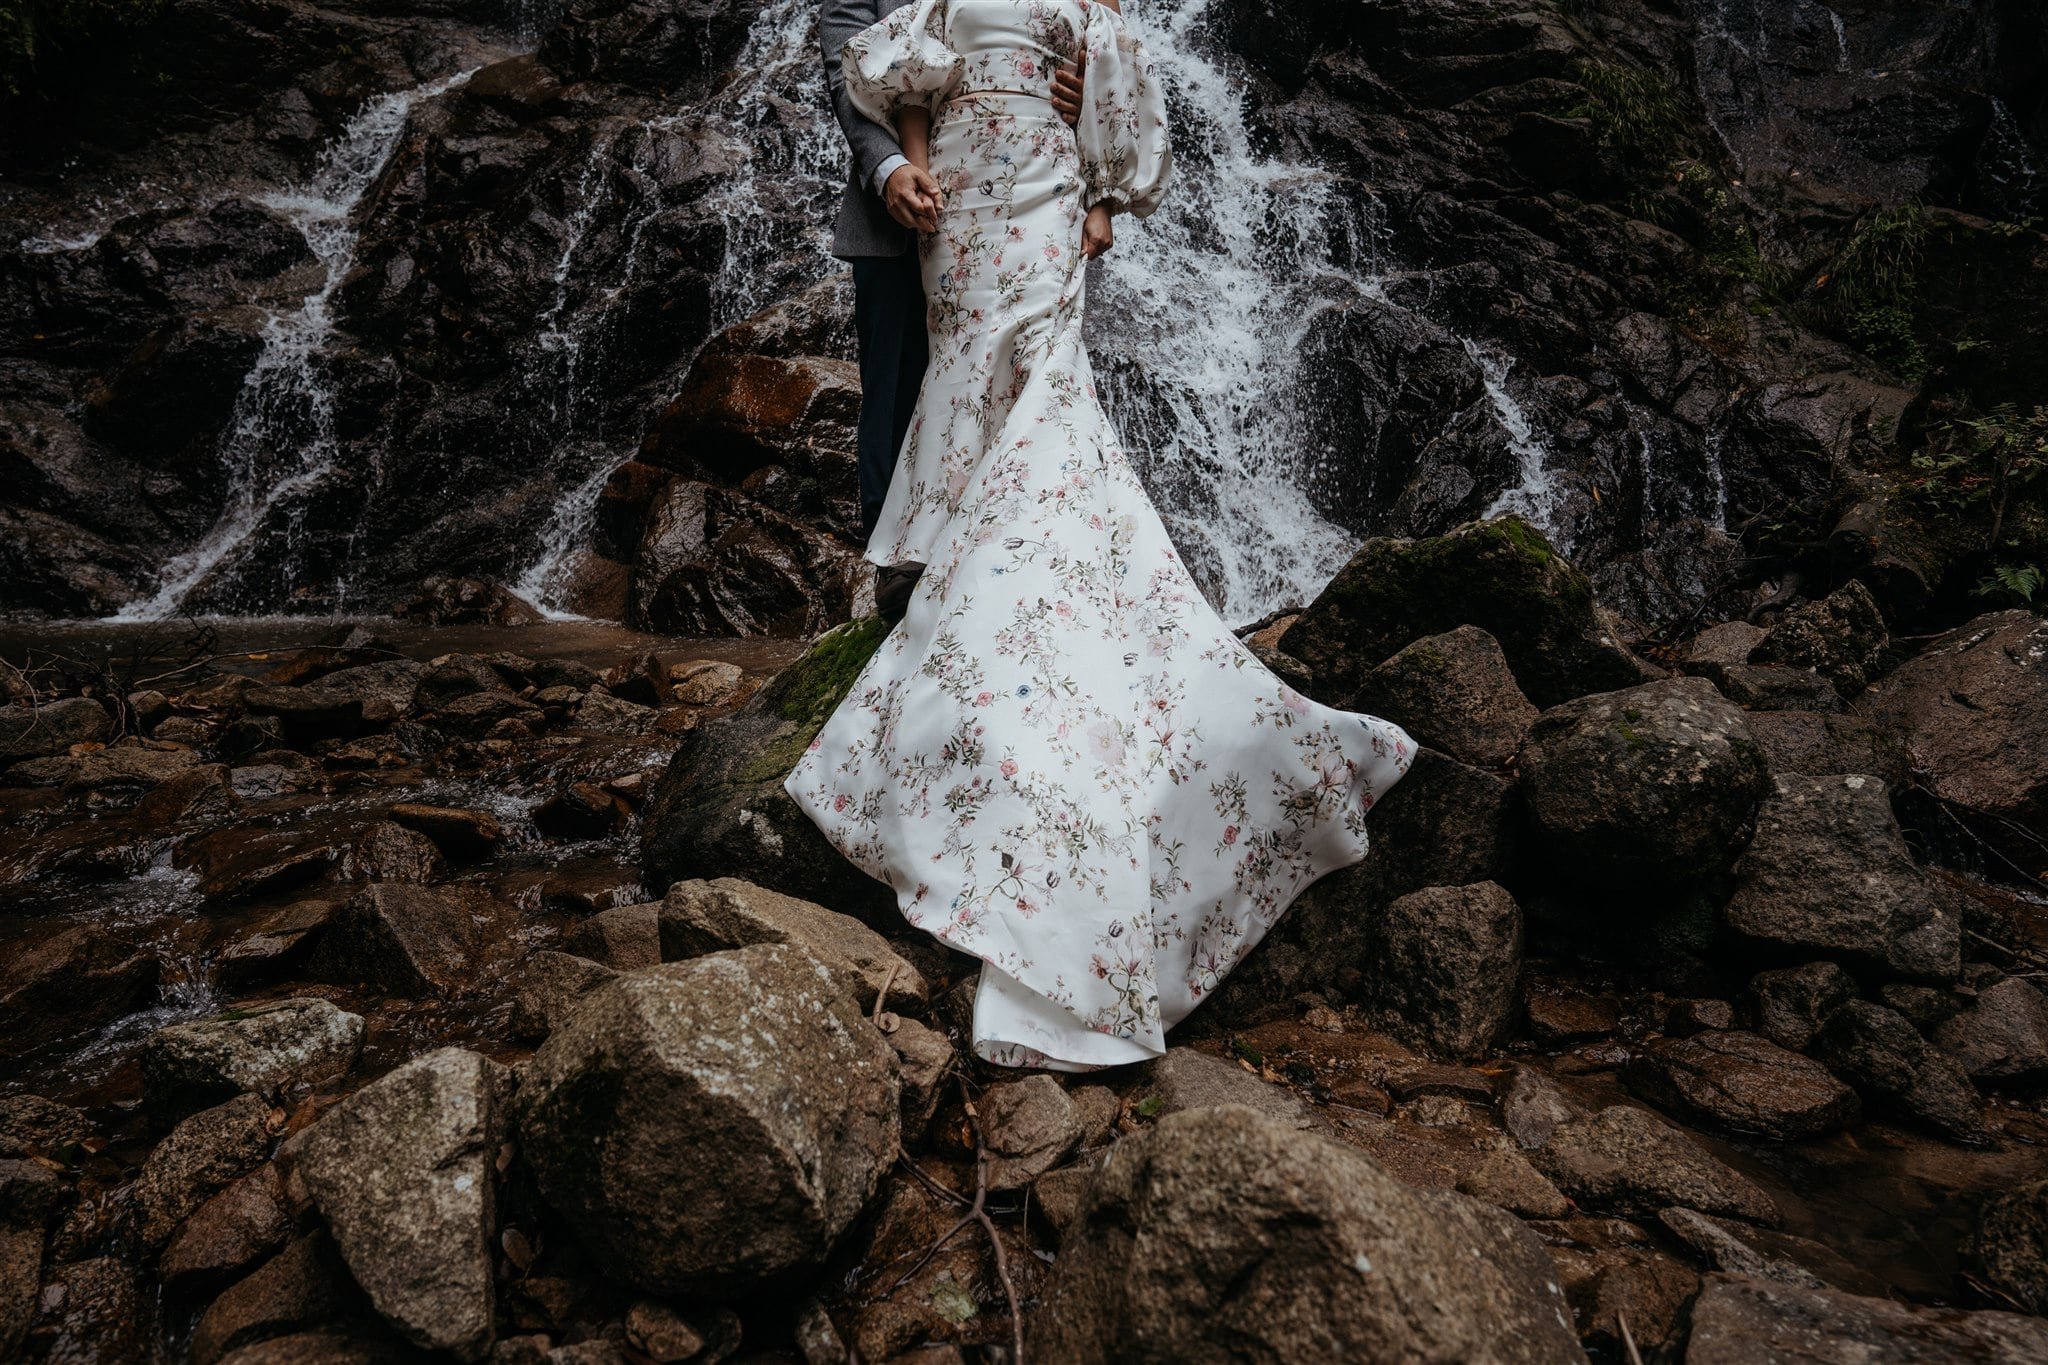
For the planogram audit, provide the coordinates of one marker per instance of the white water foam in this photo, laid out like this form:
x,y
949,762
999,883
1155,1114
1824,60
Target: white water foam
x,y
280,444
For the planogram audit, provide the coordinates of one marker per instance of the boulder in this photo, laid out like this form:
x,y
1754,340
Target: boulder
x,y
1626,1160
260,1048
1531,1106
1767,687
2010,1244
1223,1234
1453,692
452,677
1499,575
1185,1079
623,938
2002,1035
1893,1067
1818,745
1446,972
713,561
229,1232
925,1059
1739,1248
1841,637
305,1285
462,834
444,600
1726,643
69,978
30,1197
53,727
404,1174
1791,1003
749,1113
601,713
1828,871
1650,784
389,852
98,1310
1452,826
1973,711
1738,1320
410,940
196,1160
548,987
1744,1082
720,810
1505,1179
33,1126
1029,1127
700,917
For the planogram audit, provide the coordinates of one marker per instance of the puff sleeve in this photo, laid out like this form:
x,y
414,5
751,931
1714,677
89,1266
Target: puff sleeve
x,y
1125,160
901,60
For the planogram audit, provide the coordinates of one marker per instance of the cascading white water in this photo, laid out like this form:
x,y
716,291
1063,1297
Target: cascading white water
x,y
1536,497
280,443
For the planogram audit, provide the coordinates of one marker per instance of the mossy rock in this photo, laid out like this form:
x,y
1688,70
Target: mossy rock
x,y
720,810
1500,575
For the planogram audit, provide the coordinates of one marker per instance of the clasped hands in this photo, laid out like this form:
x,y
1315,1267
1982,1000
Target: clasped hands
x,y
914,198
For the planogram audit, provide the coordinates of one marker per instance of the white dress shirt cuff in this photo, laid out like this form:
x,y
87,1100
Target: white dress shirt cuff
x,y
887,169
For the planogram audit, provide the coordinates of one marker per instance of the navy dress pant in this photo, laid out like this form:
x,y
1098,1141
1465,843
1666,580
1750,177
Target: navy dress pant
x,y
888,319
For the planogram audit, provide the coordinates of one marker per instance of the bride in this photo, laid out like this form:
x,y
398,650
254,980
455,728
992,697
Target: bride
x,y
1062,760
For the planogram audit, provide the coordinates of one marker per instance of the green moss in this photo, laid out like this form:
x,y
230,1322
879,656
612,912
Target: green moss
x,y
1630,734
1525,539
808,689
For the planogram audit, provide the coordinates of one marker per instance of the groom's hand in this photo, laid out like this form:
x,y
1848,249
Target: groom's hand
x,y
1066,89
913,198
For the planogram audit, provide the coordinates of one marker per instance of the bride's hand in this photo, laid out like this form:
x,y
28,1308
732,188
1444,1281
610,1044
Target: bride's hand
x,y
1096,234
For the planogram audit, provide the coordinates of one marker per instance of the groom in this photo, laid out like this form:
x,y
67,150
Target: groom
x,y
887,202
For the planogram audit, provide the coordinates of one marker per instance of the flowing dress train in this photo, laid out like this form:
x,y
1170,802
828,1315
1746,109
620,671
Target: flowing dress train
x,y
1062,760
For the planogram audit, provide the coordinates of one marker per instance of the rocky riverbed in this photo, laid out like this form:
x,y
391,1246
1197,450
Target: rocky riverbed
x,y
369,999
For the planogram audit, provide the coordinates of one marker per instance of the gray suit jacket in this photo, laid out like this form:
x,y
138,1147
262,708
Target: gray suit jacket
x,y
865,227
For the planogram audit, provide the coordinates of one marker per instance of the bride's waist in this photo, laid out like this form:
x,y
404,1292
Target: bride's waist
x,y
997,103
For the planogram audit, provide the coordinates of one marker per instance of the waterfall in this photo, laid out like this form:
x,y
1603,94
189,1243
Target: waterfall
x,y
1537,497
280,445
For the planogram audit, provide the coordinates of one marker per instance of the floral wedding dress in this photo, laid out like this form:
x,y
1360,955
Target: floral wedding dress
x,y
1063,761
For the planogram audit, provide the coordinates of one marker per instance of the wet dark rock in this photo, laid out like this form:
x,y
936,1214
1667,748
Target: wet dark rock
x,y
1499,575
99,1309
1029,1127
198,794
1446,974
33,1126
580,810
70,978
2010,1244
706,917
384,689
1842,637
1688,1017
1612,1287
404,1174
705,682
479,713
30,1197
2002,1035
1568,1016
549,985
751,1111
1828,871
602,713
1791,1003
410,940
1818,745
1651,784
1727,643
1767,687
446,601
310,713
1740,1249
1744,1082
623,938
1260,1241
1626,1160
1973,711
1922,1006
1737,1320
275,947
715,562
719,809
248,861
259,1048
51,728
197,1160
305,1285
452,677
1453,692
389,852
230,1232
925,1061
1894,1068
461,833
274,772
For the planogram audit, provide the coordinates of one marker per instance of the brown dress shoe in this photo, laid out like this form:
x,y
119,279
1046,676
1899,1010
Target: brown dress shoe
x,y
893,587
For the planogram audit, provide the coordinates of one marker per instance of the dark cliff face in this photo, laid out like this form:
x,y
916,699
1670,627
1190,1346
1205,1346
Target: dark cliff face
x,y
1735,263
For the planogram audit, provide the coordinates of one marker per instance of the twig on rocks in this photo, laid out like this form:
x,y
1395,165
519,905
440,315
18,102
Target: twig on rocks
x,y
977,1212
1628,1338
